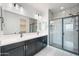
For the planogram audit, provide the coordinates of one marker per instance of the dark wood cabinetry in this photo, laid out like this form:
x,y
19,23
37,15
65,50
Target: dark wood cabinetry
x,y
16,49
25,48
0,51
34,46
16,52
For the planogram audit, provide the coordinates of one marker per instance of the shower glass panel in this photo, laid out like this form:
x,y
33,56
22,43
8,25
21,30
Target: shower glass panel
x,y
56,33
70,28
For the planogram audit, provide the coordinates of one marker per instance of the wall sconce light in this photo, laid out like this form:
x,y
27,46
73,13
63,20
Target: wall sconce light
x,y
10,5
21,9
14,4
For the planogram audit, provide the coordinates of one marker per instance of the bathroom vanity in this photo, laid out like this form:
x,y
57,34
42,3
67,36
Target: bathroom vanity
x,y
26,46
20,35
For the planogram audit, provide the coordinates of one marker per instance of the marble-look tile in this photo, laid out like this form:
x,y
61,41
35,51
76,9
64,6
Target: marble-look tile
x,y
52,51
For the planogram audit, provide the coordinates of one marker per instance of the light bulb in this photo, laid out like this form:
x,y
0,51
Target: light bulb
x,y
17,6
21,9
10,5
62,8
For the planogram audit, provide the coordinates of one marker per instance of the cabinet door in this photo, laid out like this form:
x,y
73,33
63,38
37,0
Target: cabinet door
x,y
30,50
44,41
19,51
30,47
16,49
41,43
38,44
35,45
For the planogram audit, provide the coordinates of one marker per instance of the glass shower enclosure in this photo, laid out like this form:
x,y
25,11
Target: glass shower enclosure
x,y
70,29
64,33
56,33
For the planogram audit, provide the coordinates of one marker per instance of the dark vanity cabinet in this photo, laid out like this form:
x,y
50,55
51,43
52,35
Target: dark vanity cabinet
x,y
16,49
30,48
16,52
34,46
25,48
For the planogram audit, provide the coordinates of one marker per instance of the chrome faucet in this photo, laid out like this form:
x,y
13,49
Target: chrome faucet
x,y
21,34
37,33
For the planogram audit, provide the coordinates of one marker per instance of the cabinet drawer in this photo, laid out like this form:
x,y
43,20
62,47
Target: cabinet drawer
x,y
15,52
11,46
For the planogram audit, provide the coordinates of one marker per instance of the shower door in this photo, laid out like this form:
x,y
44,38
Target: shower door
x,y
55,33
70,37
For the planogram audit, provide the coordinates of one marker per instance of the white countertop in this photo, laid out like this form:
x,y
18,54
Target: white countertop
x,y
14,38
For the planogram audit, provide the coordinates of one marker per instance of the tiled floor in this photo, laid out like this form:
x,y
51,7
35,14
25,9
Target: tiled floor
x,y
52,51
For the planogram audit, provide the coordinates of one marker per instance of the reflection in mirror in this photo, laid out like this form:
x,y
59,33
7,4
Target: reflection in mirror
x,y
1,21
12,22
0,24
15,23
23,26
33,25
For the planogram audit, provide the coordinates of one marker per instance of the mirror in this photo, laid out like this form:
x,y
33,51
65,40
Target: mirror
x,y
0,21
32,25
0,24
15,23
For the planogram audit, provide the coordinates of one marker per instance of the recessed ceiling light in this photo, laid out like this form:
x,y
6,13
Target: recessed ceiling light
x,y
62,8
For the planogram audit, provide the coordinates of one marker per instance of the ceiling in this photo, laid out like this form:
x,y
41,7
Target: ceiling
x,y
55,7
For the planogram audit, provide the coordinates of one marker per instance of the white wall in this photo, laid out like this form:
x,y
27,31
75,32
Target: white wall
x,y
50,14
28,11
11,8
45,19
0,11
